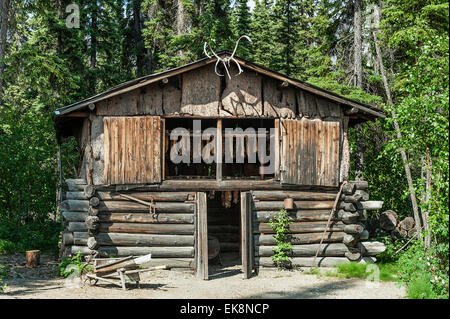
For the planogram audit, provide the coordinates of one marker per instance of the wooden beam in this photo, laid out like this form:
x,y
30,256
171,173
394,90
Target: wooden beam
x,y
202,237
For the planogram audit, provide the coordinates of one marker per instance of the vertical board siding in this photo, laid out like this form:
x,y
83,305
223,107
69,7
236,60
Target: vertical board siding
x,y
310,152
132,149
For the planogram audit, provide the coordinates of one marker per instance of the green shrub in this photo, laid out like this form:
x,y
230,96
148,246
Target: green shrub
x,y
280,224
69,264
6,246
3,275
422,270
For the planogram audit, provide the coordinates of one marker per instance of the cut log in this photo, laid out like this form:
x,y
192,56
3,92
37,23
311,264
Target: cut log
x,y
303,261
147,218
94,201
89,191
75,195
92,243
355,198
372,205
373,248
298,239
92,222
350,240
310,227
349,207
92,211
33,258
354,229
77,227
360,185
326,250
296,195
350,217
349,189
388,220
364,194
353,256
407,224
67,238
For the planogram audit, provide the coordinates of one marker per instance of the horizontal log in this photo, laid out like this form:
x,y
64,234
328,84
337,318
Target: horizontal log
x,y
74,216
173,229
372,204
146,218
355,198
373,248
157,252
310,227
276,205
67,238
147,196
326,250
349,207
75,184
303,261
124,239
297,239
350,217
75,195
294,215
127,206
350,239
76,227
364,194
296,195
348,189
354,228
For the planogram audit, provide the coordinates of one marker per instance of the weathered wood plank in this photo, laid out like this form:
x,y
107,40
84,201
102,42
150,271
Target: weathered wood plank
x,y
202,237
146,196
294,215
157,252
125,239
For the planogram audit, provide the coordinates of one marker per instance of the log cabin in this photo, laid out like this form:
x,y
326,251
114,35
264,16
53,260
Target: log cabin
x,y
151,181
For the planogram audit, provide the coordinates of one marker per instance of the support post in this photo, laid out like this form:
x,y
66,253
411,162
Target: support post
x,y
202,237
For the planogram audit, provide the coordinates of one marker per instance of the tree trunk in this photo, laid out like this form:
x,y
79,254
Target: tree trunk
x,y
358,83
93,53
4,14
396,125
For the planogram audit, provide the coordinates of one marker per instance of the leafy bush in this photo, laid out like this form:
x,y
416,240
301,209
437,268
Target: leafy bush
x,y
69,264
3,274
280,224
6,246
425,274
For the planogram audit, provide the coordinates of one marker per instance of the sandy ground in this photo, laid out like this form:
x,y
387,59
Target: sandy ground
x,y
225,282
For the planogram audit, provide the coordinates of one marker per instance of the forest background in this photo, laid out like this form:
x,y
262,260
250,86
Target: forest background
x,y
388,53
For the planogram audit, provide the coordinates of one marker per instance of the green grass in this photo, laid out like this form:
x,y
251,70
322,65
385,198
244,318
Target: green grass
x,y
381,272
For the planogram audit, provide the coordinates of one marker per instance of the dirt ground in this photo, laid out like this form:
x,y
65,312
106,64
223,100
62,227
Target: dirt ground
x,y
225,282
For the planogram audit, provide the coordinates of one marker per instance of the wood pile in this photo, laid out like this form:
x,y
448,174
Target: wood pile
x,y
352,212
389,222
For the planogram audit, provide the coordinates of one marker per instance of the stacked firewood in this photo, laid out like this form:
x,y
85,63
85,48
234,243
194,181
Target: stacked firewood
x,y
389,222
353,207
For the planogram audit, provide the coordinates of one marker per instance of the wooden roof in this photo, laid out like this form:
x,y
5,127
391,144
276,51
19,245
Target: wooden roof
x,y
370,112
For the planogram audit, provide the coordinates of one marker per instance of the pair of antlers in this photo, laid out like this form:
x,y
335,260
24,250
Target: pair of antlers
x,y
226,61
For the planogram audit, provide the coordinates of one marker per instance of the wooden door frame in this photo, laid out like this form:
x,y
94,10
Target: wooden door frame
x,y
246,234
201,236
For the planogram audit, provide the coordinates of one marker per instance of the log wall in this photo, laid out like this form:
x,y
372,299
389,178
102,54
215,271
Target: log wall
x,y
113,225
345,236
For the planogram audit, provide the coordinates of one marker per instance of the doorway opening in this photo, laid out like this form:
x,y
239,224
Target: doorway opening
x,y
224,233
